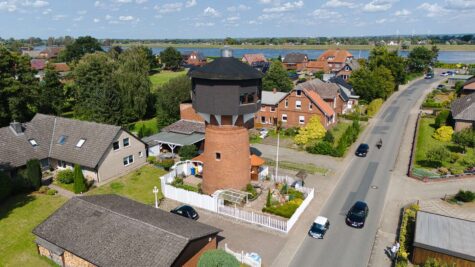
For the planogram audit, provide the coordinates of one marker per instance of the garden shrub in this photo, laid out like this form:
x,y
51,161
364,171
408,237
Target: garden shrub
x,y
51,192
284,189
454,157
188,152
43,189
465,196
250,189
437,155
294,194
166,163
322,148
152,159
442,118
443,134
33,172
374,107
443,170
285,210
406,234
79,181
269,199
455,170
329,137
217,258
6,186
65,176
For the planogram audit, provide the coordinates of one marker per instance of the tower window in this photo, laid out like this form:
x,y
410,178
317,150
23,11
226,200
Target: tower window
x,y
218,156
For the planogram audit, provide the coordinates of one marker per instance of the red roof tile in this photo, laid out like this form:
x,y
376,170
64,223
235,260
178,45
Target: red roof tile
x,y
322,105
61,67
251,58
337,55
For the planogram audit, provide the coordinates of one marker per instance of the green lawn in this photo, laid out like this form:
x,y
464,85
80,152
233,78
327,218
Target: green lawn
x,y
163,77
18,216
308,167
339,129
69,187
150,126
137,185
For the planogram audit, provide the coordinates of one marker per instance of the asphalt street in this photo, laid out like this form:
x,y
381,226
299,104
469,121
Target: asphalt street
x,y
365,179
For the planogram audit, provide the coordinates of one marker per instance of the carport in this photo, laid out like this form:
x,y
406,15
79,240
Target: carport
x,y
172,140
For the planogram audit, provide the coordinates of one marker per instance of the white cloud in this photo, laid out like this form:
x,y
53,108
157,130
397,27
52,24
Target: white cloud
x,y
36,3
402,13
59,17
122,1
289,6
204,24
97,3
7,6
191,3
265,1
126,18
169,8
433,10
381,21
240,7
270,16
232,19
96,20
211,12
140,1
460,4
338,3
321,13
378,5
78,18
47,11
108,17
82,12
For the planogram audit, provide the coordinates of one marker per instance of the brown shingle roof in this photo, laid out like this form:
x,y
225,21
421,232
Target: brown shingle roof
x,y
61,67
185,127
318,65
295,58
109,230
324,89
335,55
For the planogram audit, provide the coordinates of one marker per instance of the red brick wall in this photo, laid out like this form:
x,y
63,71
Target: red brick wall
x,y
271,118
293,113
188,113
210,245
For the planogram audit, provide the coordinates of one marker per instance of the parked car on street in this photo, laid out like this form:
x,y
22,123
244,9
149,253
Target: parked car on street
x,y
362,150
440,86
429,76
356,216
319,227
444,74
186,211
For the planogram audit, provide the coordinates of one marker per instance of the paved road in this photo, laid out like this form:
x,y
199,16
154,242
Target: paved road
x,y
365,179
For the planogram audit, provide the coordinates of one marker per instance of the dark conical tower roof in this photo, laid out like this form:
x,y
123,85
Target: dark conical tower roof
x,y
226,68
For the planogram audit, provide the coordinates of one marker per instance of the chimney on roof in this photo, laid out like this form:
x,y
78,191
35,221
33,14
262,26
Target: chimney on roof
x,y
226,52
16,127
274,90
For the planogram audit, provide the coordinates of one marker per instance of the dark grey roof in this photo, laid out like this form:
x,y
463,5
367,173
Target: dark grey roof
x,y
109,230
346,90
295,58
226,68
339,80
464,108
46,130
325,90
447,235
199,55
185,127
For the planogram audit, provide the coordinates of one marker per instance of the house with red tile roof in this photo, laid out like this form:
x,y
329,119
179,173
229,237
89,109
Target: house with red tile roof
x,y
295,61
50,52
194,58
253,58
318,66
38,64
337,61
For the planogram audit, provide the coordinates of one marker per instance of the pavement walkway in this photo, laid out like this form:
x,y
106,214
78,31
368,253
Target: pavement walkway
x,y
63,192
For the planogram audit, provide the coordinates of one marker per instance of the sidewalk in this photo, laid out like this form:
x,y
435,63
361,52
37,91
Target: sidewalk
x,y
63,192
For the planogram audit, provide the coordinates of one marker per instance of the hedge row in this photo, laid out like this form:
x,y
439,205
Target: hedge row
x,y
349,137
406,234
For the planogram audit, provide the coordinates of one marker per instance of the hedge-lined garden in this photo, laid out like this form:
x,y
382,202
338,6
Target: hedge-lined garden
x,y
337,148
406,235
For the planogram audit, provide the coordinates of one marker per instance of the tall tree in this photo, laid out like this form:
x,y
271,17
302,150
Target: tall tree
x,y
372,84
277,78
17,84
380,56
312,131
169,96
97,94
133,82
420,58
33,170
51,96
171,58
80,47
79,182
5,186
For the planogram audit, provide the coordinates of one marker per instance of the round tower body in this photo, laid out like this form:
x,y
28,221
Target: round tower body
x,y
227,94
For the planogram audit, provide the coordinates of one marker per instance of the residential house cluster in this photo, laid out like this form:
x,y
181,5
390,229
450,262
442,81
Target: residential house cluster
x,y
41,58
463,108
312,98
103,151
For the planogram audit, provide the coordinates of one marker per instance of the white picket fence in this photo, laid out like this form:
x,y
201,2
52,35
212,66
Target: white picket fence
x,y
282,179
254,218
243,257
212,203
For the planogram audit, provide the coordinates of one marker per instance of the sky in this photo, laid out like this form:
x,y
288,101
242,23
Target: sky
x,y
158,19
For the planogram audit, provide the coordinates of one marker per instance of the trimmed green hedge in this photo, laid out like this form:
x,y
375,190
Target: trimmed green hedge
x,y
347,139
406,234
217,258
285,210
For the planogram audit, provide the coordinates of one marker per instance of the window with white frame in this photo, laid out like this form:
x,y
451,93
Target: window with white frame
x,y
272,109
126,142
301,119
33,142
263,108
140,154
284,117
298,104
128,160
80,142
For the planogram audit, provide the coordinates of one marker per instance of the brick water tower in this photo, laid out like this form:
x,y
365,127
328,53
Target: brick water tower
x,y
227,94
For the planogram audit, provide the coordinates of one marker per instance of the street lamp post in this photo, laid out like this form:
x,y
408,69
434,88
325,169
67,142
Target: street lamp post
x,y
155,191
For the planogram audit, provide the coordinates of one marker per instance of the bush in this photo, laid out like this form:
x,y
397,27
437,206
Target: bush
x,y
51,192
65,176
406,234
250,189
354,116
6,186
166,163
374,107
329,137
217,258
294,194
438,155
188,152
33,171
286,210
79,182
443,170
455,170
43,190
269,199
465,196
442,118
443,134
152,159
322,148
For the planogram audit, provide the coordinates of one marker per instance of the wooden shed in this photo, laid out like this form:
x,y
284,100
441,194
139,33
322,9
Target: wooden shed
x,y
447,239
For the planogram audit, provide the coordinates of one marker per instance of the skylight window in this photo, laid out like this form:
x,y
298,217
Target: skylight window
x,y
33,142
80,142
62,139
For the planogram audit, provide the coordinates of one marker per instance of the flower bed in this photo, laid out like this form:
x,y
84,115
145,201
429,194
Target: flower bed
x,y
293,199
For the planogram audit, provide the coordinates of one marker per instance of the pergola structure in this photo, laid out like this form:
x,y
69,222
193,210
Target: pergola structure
x,y
234,196
172,140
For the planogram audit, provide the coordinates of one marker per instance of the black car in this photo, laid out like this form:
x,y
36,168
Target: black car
x,y
356,217
362,150
186,211
440,86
